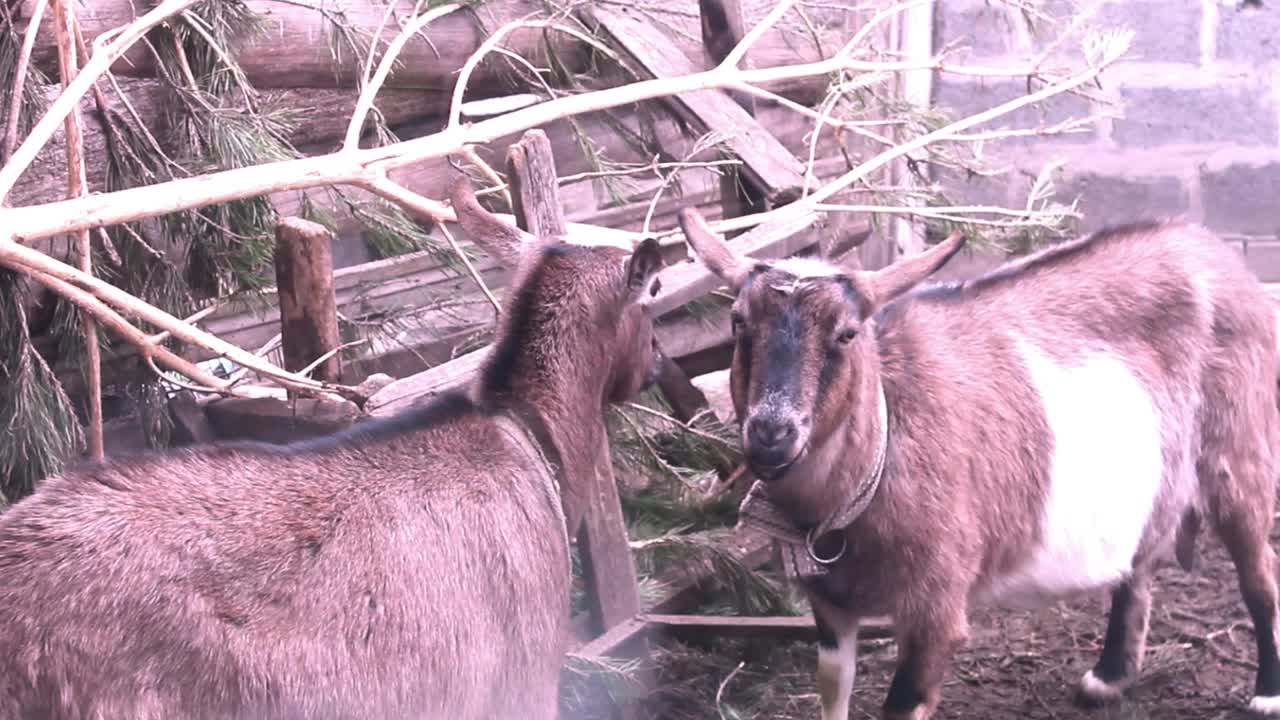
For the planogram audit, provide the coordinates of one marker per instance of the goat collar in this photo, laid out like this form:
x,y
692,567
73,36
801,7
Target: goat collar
x,y
795,547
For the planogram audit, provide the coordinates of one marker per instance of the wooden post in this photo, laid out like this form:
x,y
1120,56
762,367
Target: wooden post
x,y
308,308
606,555
535,191
608,568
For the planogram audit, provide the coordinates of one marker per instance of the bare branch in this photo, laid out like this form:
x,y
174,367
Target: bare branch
x,y
370,90
77,185
754,34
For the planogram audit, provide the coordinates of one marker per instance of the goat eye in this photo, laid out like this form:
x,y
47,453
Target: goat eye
x,y
847,335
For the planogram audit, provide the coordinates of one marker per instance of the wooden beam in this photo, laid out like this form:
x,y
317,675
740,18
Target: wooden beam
x,y
619,641
767,163
608,568
658,627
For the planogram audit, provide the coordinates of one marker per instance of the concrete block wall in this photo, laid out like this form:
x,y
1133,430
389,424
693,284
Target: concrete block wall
x,y
1199,135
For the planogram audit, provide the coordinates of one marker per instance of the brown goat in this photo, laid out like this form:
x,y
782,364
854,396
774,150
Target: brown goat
x,y
414,567
1056,426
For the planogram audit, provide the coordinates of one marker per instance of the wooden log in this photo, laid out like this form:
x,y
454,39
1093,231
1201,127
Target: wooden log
x,y
295,47
308,308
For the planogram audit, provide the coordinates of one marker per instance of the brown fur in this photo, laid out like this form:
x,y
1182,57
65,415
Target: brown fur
x,y
415,567
966,479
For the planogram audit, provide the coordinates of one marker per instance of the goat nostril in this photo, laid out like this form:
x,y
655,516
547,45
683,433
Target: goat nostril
x,y
770,433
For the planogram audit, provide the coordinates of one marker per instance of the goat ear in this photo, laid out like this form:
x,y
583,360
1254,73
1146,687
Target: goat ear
x,y
888,283
503,241
712,249
643,265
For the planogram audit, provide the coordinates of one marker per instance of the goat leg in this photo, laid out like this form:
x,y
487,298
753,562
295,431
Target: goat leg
x,y
837,655
926,646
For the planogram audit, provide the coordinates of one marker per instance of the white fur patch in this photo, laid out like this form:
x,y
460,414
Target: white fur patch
x,y
836,670
1269,706
1095,688
1105,470
807,267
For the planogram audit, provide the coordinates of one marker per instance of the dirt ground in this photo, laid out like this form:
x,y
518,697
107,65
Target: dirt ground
x,y
1025,665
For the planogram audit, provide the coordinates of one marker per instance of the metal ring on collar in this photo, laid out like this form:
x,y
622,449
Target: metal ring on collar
x,y
808,545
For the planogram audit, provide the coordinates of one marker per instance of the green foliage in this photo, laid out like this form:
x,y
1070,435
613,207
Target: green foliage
x,y
40,431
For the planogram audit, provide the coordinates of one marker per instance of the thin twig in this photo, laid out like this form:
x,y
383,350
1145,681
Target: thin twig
x,y
151,363
20,79
735,55
677,423
473,157
475,275
424,207
33,261
306,371
199,315
723,685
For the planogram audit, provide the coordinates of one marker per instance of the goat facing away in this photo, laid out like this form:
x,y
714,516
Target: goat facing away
x,y
1059,425
414,567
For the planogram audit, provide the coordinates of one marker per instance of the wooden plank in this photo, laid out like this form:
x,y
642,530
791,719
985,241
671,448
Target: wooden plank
x,y
684,590
767,162
607,564
618,641
779,628
680,284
